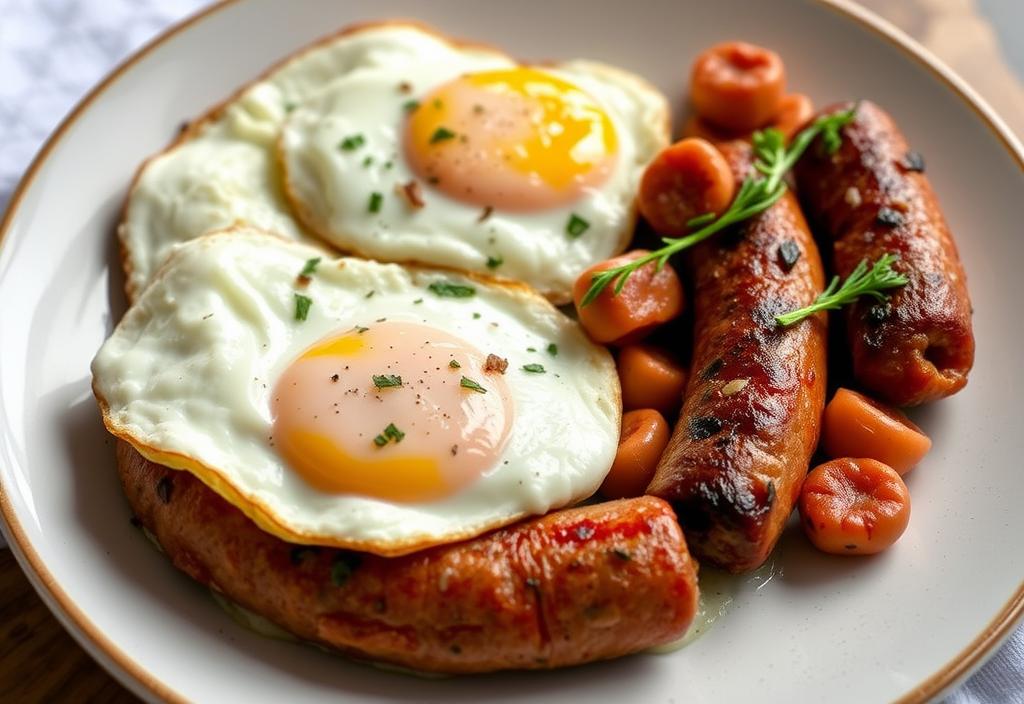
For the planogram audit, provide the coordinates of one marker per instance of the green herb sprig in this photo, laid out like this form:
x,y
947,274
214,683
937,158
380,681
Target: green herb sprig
x,y
862,281
756,194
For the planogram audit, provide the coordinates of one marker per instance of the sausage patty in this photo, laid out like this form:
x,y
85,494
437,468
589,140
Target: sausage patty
x,y
872,197
752,408
574,586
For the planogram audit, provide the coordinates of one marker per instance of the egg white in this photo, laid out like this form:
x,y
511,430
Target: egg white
x,y
187,378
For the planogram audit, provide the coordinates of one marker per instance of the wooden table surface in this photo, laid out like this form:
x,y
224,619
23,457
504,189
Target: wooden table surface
x,y
40,662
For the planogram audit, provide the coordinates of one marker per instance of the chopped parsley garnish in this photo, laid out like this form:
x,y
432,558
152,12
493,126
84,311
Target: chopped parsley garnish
x,y
534,368
410,105
385,381
531,349
375,201
450,289
468,383
367,161
576,226
441,134
454,364
495,262
390,433
360,329
476,316
310,268
553,349
288,107
352,142
302,304
417,301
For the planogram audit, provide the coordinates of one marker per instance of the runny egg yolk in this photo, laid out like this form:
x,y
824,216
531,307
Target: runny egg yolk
x,y
516,139
385,412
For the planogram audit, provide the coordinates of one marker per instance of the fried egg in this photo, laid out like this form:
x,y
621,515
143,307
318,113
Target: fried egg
x,y
534,183
348,403
428,152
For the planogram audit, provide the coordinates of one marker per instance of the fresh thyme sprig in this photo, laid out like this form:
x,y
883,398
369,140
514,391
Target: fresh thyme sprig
x,y
861,282
756,194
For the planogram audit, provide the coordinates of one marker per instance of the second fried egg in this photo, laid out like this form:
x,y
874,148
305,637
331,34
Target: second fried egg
x,y
428,152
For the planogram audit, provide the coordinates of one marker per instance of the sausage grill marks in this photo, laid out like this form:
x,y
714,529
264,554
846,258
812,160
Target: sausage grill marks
x,y
577,585
752,408
872,197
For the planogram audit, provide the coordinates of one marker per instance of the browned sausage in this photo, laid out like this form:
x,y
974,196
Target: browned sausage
x,y
577,585
870,198
752,408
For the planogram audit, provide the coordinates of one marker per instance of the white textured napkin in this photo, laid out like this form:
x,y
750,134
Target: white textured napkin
x,y
53,51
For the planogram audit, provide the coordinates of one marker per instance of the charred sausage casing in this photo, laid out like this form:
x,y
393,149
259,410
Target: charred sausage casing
x,y
577,585
869,198
752,408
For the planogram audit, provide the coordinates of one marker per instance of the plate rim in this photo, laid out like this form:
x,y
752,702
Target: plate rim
x,y
143,683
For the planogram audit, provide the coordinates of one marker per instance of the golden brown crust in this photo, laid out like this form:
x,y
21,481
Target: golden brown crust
x,y
871,198
575,586
752,408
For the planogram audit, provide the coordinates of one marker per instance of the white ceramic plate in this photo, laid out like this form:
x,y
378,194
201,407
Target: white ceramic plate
x,y
906,624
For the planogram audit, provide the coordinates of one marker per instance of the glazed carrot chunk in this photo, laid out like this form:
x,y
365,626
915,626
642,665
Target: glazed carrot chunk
x,y
648,299
854,506
643,439
795,110
737,85
687,179
857,426
650,378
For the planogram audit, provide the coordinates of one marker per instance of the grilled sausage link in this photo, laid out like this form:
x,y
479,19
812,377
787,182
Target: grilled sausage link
x,y
752,408
869,198
574,586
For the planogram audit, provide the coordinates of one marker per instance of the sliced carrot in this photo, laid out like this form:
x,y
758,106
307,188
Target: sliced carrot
x,y
685,180
650,378
854,506
795,110
643,439
649,298
857,426
738,86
